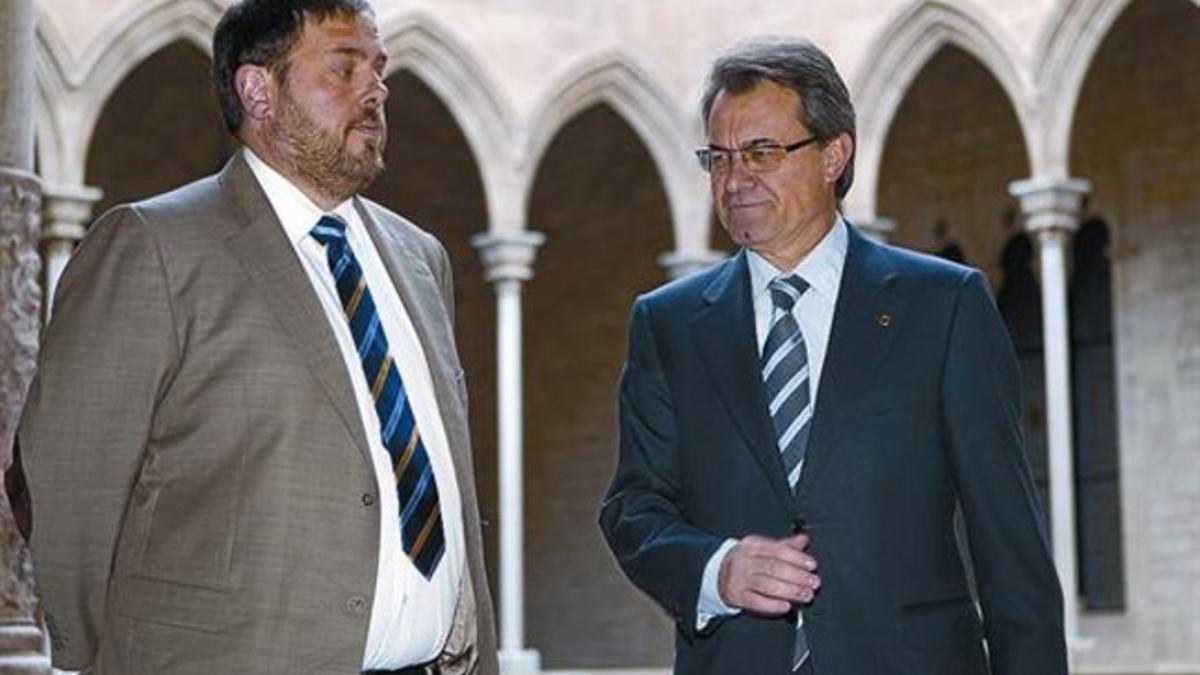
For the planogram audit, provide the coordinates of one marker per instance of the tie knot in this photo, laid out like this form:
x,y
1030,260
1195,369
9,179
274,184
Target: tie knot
x,y
329,229
785,291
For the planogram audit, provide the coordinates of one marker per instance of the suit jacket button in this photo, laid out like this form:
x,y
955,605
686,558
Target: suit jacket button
x,y
368,499
357,605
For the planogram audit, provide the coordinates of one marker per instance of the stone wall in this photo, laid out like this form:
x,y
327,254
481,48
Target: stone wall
x,y
1136,138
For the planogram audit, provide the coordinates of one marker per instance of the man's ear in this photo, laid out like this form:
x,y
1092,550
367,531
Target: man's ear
x,y
835,155
255,90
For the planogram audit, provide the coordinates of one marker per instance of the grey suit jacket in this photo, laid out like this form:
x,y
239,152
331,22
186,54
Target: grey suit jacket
x,y
203,495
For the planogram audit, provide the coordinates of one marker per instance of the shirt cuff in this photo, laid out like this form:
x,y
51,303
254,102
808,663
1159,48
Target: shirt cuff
x,y
709,605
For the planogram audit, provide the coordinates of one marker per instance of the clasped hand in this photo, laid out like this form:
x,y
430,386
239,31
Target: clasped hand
x,y
768,576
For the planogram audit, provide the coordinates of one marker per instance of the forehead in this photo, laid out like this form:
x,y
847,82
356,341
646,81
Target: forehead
x,y
357,31
765,108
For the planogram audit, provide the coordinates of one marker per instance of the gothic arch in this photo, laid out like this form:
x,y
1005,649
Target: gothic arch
x,y
1066,49
137,33
417,43
615,79
901,51
53,66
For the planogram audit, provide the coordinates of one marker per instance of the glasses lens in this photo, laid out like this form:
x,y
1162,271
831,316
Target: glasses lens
x,y
704,157
763,158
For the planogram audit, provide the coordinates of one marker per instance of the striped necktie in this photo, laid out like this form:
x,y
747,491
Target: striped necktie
x,y
420,515
785,378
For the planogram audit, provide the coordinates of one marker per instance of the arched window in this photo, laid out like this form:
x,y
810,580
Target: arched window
x,y
1097,465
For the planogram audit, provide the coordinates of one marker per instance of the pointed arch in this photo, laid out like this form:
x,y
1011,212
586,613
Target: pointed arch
x,y
1065,51
134,35
617,80
416,42
53,65
900,53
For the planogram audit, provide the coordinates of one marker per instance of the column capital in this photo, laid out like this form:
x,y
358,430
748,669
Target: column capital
x,y
1050,204
508,256
679,264
66,210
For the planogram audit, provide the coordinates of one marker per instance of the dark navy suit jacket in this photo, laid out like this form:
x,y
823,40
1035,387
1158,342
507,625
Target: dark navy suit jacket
x,y
918,409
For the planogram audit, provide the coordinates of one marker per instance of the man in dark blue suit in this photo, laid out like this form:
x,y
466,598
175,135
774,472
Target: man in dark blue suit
x,y
799,422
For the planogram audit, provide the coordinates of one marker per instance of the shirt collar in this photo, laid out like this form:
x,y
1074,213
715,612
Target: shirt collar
x,y
296,212
821,268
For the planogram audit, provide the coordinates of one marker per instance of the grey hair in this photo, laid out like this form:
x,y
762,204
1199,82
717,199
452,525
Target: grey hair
x,y
797,64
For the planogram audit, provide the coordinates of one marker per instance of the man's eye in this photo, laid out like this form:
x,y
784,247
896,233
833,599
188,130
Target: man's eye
x,y
762,154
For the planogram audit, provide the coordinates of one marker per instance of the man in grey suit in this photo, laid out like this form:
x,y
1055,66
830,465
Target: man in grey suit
x,y
247,446
799,422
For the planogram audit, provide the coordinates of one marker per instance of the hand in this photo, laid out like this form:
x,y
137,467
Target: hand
x,y
768,576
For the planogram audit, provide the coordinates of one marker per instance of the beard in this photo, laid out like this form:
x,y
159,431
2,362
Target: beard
x,y
321,158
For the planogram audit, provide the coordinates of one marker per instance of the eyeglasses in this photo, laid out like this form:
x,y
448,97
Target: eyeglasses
x,y
761,158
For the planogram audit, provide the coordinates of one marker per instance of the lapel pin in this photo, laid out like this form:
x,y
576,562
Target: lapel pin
x,y
884,320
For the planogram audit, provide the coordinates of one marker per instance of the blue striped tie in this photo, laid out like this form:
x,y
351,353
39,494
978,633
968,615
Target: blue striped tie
x,y
420,515
785,378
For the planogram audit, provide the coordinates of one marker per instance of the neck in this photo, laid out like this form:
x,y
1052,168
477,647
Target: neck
x,y
265,152
785,258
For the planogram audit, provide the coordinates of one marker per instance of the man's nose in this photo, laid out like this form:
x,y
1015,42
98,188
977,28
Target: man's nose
x,y
738,177
377,93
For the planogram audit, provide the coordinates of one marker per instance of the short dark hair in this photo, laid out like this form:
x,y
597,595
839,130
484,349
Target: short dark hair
x,y
262,33
799,65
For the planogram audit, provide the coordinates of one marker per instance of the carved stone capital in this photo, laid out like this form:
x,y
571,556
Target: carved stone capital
x,y
508,256
1050,204
679,264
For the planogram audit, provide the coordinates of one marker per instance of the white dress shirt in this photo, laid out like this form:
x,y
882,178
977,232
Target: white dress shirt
x,y
822,269
410,616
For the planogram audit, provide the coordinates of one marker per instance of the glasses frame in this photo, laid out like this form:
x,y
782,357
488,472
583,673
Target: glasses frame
x,y
705,155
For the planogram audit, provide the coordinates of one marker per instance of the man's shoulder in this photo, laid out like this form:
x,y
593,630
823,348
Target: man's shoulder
x,y
689,291
915,269
200,198
398,225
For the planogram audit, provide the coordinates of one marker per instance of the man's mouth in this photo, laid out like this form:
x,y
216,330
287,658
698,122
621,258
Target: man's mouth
x,y
744,205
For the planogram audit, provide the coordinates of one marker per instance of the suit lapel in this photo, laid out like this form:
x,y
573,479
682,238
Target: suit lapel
x,y
422,298
724,333
866,318
268,259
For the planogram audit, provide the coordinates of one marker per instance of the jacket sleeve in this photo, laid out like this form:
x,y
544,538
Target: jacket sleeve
x,y
643,514
106,361
1018,585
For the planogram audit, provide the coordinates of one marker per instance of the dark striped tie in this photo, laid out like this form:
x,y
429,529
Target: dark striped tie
x,y
420,515
785,378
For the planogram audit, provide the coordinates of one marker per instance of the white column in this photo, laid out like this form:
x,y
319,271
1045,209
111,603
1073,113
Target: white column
x,y
508,261
1051,208
682,263
66,210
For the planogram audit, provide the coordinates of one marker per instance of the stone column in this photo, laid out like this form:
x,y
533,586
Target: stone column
x,y
66,212
682,263
508,262
1051,208
20,203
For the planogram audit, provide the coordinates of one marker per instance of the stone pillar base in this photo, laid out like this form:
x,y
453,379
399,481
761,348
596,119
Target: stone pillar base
x,y
518,661
21,649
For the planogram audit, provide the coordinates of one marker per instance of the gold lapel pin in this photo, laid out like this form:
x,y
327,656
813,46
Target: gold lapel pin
x,y
884,320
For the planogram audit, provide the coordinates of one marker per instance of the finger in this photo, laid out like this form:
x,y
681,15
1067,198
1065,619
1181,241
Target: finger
x,y
761,604
777,589
790,575
799,541
780,552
